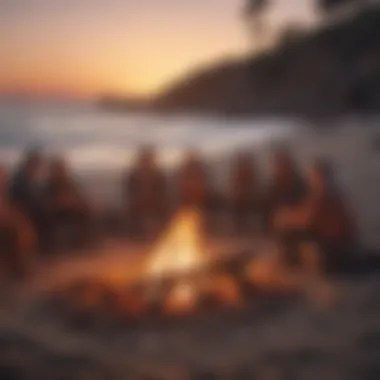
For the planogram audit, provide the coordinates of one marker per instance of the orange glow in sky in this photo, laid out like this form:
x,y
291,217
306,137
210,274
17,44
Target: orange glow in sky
x,y
89,47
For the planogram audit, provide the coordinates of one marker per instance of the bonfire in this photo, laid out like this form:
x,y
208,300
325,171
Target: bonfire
x,y
180,277
181,254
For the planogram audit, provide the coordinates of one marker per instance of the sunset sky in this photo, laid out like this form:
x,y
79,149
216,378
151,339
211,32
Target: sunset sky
x,y
89,47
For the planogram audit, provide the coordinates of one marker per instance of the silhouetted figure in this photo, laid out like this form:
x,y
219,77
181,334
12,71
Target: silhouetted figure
x,y
194,185
195,189
24,186
254,10
145,194
330,5
321,225
286,188
67,207
243,193
17,235
25,191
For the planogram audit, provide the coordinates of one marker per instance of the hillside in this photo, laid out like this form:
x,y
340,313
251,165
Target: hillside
x,y
328,71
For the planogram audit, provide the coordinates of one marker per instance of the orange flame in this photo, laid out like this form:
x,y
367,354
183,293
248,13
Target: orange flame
x,y
180,250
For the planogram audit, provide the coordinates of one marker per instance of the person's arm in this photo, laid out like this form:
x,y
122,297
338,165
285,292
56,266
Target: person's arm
x,y
48,197
301,216
26,234
124,185
128,188
181,185
164,188
81,196
68,194
350,223
205,185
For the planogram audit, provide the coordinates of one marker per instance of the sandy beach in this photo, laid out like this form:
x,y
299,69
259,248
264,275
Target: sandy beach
x,y
297,337
195,154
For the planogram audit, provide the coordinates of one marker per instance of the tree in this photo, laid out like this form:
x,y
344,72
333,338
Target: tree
x,y
290,34
328,6
254,11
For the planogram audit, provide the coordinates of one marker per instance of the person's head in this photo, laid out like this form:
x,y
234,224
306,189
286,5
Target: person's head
x,y
244,163
3,181
33,164
146,158
192,158
192,164
283,166
58,169
319,176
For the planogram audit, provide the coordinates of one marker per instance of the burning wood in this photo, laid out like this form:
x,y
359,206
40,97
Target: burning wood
x,y
180,278
182,247
180,251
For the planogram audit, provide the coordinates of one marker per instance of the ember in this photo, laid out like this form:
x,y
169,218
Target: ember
x,y
182,299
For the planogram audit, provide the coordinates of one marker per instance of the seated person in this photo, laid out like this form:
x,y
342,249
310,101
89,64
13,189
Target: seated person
x,y
243,192
194,187
25,191
145,193
17,235
322,222
24,182
286,187
65,204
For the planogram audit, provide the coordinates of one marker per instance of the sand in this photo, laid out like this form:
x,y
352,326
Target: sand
x,y
338,342
297,338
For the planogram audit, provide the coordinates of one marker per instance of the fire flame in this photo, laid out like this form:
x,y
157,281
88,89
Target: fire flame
x,y
181,250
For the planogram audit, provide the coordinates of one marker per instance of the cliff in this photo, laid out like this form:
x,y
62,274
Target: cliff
x,y
335,69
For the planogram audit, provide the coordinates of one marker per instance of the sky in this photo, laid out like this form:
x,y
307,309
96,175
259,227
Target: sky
x,y
84,48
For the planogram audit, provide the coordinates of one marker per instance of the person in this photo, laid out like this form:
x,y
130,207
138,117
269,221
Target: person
x,y
194,189
243,192
25,191
286,188
321,230
66,205
17,235
145,194
194,185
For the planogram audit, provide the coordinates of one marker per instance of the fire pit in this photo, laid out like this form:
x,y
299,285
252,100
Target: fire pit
x,y
179,279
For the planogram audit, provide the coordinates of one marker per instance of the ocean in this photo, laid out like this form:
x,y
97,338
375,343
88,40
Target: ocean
x,y
95,139
99,144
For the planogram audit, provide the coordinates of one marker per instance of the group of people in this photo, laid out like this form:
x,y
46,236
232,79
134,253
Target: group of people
x,y
37,201
41,199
